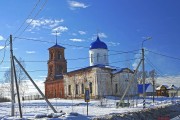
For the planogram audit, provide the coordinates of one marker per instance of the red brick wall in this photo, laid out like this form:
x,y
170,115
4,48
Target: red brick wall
x,y
54,89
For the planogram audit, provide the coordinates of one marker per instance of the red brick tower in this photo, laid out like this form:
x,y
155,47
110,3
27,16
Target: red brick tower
x,y
57,65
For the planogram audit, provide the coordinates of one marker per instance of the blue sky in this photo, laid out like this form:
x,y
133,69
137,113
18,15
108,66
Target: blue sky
x,y
121,24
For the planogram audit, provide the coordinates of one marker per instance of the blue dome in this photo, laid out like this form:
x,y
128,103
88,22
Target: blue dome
x,y
98,44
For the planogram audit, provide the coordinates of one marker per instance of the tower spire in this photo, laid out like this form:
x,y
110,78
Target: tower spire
x,y
97,34
56,37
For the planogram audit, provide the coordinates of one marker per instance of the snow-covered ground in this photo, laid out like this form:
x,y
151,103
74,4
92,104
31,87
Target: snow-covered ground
x,y
30,109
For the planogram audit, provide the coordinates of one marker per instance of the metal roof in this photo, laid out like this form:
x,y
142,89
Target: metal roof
x,y
57,46
98,44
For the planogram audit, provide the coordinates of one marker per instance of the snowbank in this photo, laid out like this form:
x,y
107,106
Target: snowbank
x,y
169,111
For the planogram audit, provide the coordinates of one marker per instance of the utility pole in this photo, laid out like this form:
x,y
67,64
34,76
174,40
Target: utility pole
x,y
12,78
143,68
128,86
152,75
153,89
17,88
50,105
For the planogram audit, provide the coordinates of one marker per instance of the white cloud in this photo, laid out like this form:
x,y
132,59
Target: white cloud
x,y
74,4
169,80
77,48
42,76
138,56
30,52
82,32
113,43
102,35
74,34
59,30
76,40
1,47
136,62
5,67
45,23
1,37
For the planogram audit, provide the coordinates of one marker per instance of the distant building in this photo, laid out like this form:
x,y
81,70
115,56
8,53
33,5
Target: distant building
x,y
162,90
173,91
148,89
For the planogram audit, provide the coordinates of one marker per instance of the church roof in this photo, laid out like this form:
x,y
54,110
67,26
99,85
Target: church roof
x,y
122,70
172,87
140,88
98,44
57,46
89,67
114,70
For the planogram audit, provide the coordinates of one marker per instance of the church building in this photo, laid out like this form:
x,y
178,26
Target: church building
x,y
102,79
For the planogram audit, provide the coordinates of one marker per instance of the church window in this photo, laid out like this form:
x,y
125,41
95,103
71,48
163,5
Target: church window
x,y
51,55
59,56
104,56
116,88
50,70
76,88
91,58
59,69
90,87
98,57
82,88
69,89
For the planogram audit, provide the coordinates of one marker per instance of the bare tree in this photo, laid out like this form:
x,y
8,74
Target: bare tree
x,y
21,76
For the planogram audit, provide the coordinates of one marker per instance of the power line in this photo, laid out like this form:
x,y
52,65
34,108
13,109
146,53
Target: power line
x,y
156,69
153,66
34,17
38,61
43,41
27,17
4,48
4,53
164,55
83,67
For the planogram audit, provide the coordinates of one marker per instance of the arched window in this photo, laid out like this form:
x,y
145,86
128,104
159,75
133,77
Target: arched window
x,y
90,87
59,69
51,55
76,88
82,88
50,70
59,56
91,58
116,88
104,56
98,57
69,89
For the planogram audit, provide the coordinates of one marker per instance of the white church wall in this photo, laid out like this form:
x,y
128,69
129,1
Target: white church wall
x,y
98,56
104,82
78,78
122,82
100,79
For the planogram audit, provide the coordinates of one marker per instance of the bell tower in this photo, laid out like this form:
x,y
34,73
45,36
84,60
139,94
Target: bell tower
x,y
57,64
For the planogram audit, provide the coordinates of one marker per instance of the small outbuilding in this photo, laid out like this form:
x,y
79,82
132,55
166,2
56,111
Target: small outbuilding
x,y
162,90
148,89
173,91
